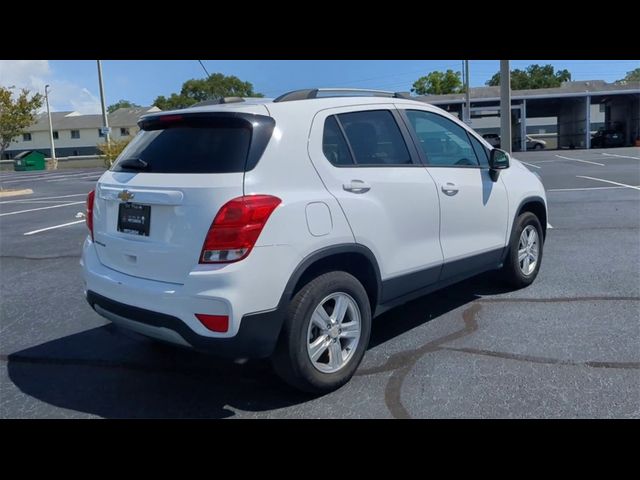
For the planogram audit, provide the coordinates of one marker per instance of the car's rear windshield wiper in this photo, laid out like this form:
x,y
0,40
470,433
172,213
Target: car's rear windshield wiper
x,y
134,163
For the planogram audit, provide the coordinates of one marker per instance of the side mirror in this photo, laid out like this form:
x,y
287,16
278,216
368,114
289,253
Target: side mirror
x,y
498,159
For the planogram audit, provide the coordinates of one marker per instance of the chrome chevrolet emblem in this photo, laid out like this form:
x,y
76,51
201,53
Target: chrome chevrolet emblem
x,y
126,195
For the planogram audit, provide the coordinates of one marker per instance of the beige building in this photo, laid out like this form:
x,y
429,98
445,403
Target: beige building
x,y
76,134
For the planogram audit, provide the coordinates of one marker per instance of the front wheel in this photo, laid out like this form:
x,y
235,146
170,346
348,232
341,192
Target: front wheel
x,y
325,334
525,252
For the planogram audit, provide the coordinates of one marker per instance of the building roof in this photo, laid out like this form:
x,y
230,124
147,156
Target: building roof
x,y
567,89
123,117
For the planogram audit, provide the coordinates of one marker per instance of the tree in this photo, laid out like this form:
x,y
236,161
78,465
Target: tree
x,y
534,76
112,149
199,90
632,76
17,113
121,104
438,83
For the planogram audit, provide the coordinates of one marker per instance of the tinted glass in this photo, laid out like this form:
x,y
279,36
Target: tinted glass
x,y
481,151
189,149
334,145
375,138
443,142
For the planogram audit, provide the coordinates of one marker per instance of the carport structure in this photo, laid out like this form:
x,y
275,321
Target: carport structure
x,y
564,117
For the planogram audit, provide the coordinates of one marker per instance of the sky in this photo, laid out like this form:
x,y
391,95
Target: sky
x,y
74,83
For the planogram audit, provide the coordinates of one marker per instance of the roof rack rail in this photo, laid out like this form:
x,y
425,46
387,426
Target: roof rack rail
x,y
310,93
218,101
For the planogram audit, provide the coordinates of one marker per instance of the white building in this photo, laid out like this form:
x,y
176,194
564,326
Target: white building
x,y
76,134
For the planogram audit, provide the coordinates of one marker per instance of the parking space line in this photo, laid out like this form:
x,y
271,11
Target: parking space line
x,y
530,164
620,156
85,177
54,227
609,181
582,188
41,208
579,160
549,225
44,198
46,177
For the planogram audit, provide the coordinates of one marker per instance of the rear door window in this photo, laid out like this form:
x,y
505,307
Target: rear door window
x,y
375,138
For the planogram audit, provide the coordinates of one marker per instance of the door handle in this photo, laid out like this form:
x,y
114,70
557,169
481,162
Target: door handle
x,y
357,186
450,189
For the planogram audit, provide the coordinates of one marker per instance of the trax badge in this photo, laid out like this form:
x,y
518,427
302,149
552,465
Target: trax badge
x,y
126,195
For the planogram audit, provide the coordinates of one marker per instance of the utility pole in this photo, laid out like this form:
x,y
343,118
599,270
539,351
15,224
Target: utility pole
x,y
54,160
467,92
505,106
105,120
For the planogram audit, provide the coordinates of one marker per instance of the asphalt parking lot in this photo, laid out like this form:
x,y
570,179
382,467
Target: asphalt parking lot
x,y
567,346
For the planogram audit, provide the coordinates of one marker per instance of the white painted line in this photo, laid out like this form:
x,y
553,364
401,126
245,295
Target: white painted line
x,y
620,156
530,164
85,177
584,188
54,227
48,177
609,181
56,201
583,161
549,225
41,208
44,198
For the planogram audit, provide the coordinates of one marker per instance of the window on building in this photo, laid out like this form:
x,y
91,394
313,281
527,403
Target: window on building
x,y
26,137
55,135
75,133
124,132
100,134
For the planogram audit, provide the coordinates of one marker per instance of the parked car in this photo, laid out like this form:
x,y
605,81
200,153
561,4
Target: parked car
x,y
281,228
535,144
493,139
607,138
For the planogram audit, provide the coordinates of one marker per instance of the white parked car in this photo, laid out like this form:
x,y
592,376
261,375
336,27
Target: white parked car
x,y
281,228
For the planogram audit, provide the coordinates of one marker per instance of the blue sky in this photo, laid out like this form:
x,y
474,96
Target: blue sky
x,y
74,83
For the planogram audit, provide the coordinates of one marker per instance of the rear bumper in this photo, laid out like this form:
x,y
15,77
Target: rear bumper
x,y
248,292
256,337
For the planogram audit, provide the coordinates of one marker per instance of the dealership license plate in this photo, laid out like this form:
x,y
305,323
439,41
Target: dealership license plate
x,y
134,218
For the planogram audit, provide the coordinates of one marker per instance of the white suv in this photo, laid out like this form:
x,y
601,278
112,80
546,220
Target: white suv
x,y
280,228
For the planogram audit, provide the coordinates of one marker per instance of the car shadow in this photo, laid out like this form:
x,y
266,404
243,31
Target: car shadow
x,y
115,374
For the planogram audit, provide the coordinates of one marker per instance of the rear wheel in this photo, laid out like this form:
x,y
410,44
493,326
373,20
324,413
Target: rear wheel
x,y
525,252
325,334
538,146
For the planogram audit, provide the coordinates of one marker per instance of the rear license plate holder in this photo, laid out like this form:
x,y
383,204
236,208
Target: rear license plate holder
x,y
134,218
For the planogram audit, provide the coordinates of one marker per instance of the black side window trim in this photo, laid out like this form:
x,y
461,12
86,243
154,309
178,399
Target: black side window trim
x,y
404,131
416,141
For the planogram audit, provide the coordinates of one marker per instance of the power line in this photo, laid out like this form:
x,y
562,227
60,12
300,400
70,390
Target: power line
x,y
204,68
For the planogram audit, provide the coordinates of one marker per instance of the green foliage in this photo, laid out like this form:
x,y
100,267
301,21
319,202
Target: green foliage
x,y
112,150
121,104
534,76
17,113
198,90
438,83
632,76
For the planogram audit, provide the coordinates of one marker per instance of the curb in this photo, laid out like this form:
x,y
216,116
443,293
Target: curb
x,y
15,193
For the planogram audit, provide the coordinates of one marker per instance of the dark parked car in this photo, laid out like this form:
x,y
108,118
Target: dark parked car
x,y
607,138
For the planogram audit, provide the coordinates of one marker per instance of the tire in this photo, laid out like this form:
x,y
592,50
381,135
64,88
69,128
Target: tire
x,y
512,272
292,358
538,146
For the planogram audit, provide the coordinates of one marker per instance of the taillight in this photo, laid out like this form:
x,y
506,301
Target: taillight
x,y
236,228
89,218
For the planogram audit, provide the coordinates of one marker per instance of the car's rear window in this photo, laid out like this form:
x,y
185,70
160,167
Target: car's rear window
x,y
192,145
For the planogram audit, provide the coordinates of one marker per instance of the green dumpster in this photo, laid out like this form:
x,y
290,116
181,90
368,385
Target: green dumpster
x,y
29,160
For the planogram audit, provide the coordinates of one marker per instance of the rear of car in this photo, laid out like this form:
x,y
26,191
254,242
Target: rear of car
x,y
169,223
